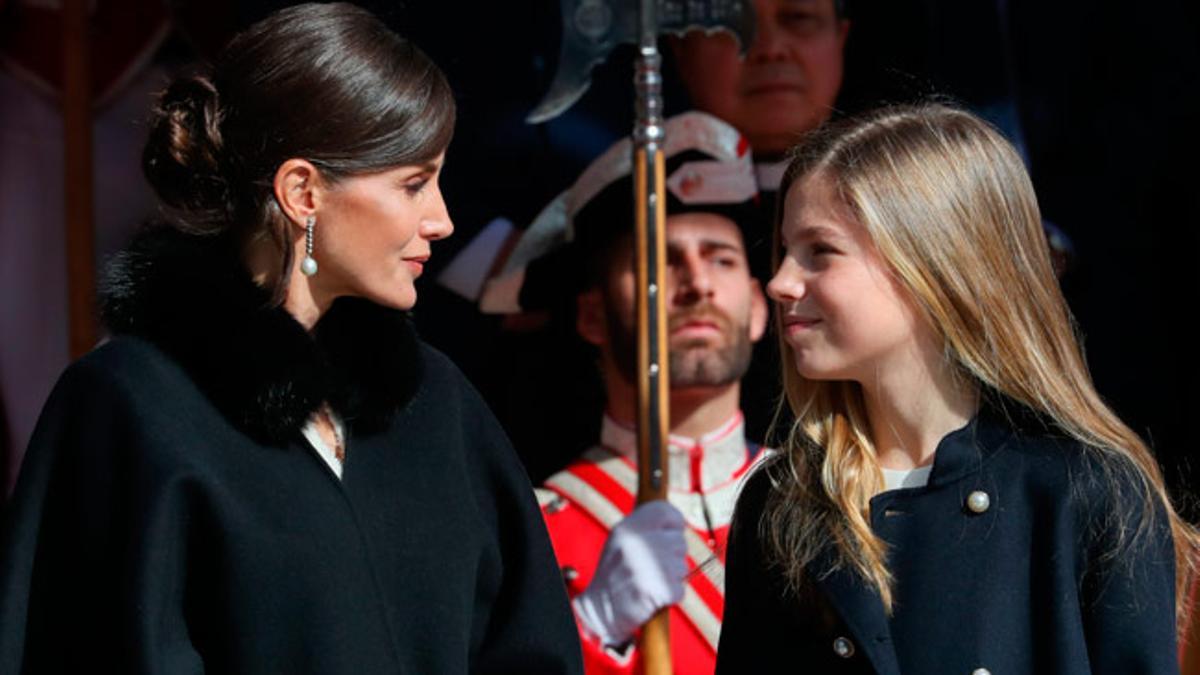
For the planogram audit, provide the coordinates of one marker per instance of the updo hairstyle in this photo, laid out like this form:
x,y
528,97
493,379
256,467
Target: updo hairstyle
x,y
328,83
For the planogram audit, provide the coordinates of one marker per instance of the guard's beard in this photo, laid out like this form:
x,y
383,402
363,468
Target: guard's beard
x,y
693,363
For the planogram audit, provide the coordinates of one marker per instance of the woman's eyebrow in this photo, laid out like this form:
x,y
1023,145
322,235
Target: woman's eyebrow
x,y
420,170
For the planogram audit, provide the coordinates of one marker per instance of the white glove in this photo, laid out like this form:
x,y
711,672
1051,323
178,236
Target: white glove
x,y
641,570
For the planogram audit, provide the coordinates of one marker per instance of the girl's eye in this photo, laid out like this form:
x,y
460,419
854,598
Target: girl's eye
x,y
822,249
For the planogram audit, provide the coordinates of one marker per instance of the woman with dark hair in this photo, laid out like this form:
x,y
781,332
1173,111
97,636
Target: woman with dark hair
x,y
265,470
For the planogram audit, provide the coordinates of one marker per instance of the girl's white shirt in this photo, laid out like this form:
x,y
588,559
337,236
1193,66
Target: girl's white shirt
x,y
896,479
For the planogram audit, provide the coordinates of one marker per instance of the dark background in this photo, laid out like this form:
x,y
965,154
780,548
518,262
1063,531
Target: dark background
x,y
1103,98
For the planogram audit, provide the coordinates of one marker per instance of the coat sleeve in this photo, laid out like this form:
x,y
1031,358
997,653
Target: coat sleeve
x,y
1128,591
529,627
91,565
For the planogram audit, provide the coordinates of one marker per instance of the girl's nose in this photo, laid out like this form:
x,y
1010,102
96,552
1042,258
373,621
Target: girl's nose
x,y
788,283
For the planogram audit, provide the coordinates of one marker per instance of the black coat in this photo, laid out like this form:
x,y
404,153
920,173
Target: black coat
x,y
1023,587
170,517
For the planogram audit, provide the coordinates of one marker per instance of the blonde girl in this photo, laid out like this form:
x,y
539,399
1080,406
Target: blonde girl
x,y
954,496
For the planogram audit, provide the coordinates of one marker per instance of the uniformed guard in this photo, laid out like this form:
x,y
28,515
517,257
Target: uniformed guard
x,y
623,564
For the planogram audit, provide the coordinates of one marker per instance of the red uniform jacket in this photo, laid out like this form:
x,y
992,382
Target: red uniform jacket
x,y
585,500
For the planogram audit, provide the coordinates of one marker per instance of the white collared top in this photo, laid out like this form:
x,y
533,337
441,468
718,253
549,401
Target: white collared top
x,y
706,469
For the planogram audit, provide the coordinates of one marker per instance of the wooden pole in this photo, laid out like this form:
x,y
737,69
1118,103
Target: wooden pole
x,y
78,179
653,395
653,376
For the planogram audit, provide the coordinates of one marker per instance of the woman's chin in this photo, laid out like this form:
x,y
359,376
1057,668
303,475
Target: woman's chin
x,y
403,299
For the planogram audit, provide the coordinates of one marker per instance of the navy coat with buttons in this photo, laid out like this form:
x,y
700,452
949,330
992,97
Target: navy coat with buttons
x,y
1025,585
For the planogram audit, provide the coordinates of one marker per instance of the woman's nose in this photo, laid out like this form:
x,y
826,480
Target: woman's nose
x,y
437,224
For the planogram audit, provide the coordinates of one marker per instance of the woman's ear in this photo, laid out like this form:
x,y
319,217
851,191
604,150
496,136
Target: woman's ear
x,y
297,186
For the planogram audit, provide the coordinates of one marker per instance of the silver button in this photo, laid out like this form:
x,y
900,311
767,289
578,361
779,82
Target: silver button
x,y
981,671
843,647
569,573
978,501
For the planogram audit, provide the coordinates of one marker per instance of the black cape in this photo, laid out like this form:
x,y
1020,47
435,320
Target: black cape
x,y
170,517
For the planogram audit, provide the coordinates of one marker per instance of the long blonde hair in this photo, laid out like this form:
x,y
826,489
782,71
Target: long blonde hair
x,y
950,208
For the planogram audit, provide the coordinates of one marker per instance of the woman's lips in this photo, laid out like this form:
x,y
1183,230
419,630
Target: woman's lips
x,y
416,265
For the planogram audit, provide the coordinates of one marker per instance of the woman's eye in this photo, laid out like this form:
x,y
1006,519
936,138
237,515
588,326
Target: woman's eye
x,y
823,249
414,188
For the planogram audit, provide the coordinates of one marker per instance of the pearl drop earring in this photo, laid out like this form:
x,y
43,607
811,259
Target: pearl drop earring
x,y
309,265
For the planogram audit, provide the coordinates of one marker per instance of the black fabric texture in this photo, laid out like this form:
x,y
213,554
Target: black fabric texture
x,y
170,517
193,299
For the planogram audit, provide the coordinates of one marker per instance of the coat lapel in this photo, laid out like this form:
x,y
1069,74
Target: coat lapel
x,y
861,608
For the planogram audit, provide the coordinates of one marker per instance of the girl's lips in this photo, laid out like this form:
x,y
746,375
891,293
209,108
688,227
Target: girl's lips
x,y
798,323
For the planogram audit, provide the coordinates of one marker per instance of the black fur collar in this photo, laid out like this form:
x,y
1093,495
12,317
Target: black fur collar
x,y
191,297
